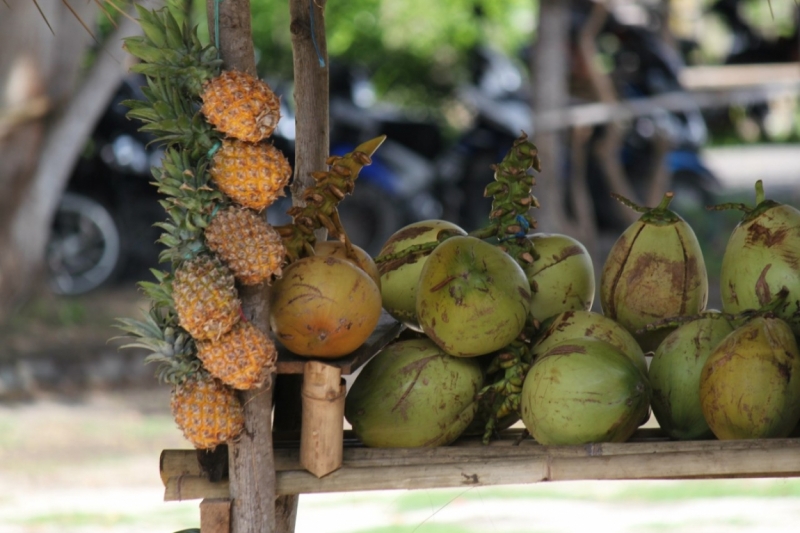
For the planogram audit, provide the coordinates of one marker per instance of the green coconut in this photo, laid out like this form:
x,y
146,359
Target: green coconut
x,y
655,270
675,375
762,257
581,391
750,384
399,276
472,297
412,394
579,324
563,275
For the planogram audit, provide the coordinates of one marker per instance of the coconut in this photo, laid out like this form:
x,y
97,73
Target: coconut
x,y
472,297
675,375
360,257
563,276
412,394
324,307
762,258
399,276
579,324
581,391
750,384
655,270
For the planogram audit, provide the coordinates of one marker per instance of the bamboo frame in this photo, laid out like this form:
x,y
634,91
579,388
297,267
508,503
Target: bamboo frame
x,y
467,463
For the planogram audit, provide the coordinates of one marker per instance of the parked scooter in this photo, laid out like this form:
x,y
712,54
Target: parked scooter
x,y
642,66
103,224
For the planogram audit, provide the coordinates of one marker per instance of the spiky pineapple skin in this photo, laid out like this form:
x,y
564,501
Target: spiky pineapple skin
x,y
242,358
250,247
205,297
208,412
241,106
252,175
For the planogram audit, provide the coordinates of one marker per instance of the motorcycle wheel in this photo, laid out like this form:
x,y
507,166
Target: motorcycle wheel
x,y
84,250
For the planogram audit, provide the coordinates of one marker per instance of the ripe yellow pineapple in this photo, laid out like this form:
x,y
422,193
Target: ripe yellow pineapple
x,y
241,106
242,358
252,175
250,247
208,412
205,297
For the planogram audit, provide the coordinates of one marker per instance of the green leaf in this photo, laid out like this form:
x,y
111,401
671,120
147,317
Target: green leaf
x,y
154,31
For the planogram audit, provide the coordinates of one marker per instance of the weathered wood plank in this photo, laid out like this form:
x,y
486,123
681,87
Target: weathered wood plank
x,y
384,469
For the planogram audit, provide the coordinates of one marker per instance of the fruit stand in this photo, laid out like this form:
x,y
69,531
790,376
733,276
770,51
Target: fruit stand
x,y
476,322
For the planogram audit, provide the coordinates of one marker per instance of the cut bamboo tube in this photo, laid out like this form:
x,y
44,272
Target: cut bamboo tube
x,y
215,516
322,432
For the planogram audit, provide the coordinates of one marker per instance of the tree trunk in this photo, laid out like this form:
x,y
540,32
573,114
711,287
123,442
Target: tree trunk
x,y
38,72
550,65
251,461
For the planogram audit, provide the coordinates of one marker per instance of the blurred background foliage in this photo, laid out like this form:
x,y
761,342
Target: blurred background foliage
x,y
414,51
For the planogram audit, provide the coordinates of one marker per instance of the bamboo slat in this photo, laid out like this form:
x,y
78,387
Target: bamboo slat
x,y
466,465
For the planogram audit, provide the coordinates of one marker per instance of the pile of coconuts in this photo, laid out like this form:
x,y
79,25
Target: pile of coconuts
x,y
499,328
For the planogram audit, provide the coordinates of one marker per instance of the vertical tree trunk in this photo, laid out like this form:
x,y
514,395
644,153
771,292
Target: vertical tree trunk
x,y
251,460
550,67
310,54
38,72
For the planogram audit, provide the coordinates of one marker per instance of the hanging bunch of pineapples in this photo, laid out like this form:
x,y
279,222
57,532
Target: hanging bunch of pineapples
x,y
218,174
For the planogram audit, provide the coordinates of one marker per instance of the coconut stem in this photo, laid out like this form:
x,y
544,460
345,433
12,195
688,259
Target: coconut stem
x,y
760,197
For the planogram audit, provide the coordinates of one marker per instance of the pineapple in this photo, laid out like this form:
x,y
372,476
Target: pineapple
x,y
207,412
205,297
250,247
242,358
252,175
241,106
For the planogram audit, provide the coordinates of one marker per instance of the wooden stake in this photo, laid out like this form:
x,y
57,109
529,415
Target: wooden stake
x,y
322,434
215,516
251,464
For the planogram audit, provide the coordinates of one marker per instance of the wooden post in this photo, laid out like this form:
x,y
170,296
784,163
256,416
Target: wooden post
x,y
215,516
322,434
251,461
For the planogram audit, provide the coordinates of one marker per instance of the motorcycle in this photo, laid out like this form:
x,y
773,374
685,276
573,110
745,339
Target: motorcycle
x,y
102,228
642,65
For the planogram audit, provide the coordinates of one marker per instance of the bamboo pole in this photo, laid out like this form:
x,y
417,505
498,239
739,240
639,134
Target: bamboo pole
x,y
251,464
455,466
322,434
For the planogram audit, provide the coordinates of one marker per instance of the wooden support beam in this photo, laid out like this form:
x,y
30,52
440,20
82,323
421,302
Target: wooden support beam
x,y
322,433
215,516
468,463
732,76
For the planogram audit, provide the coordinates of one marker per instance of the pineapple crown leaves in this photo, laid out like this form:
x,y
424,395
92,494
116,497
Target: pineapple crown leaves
x,y
190,203
172,49
171,347
172,118
321,200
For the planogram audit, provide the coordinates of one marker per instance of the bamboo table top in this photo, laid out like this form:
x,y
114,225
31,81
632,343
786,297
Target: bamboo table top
x,y
507,460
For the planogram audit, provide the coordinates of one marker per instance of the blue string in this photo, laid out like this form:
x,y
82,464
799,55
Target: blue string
x,y
214,149
216,24
313,34
521,233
